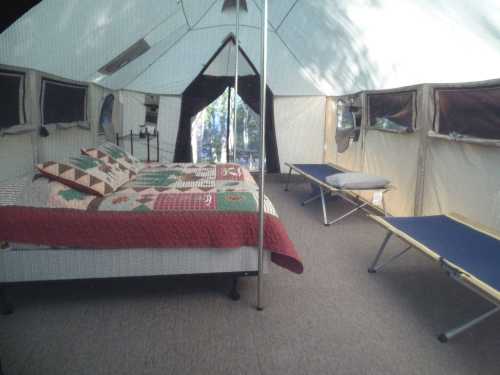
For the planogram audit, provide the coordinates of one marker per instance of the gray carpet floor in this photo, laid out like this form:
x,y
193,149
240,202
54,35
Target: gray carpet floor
x,y
334,319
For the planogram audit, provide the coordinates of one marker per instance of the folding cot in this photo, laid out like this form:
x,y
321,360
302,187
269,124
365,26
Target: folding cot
x,y
316,174
468,253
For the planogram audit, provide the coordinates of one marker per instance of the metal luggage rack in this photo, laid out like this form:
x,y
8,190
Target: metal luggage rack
x,y
142,134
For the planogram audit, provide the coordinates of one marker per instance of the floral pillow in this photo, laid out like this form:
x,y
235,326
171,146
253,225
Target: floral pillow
x,y
86,174
121,156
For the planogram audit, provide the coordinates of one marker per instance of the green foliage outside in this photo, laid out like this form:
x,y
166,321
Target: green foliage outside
x,y
209,138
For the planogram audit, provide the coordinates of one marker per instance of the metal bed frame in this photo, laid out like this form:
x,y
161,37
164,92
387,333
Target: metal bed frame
x,y
456,273
348,195
7,308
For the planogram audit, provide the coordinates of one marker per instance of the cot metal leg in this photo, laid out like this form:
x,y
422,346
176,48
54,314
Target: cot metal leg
x,y
288,179
444,337
323,205
373,267
311,199
5,307
378,267
346,214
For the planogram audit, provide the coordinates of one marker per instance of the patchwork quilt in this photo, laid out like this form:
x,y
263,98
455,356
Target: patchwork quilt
x,y
165,206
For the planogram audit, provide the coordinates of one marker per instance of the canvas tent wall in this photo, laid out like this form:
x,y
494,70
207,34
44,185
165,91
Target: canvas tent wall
x,y
433,173
21,145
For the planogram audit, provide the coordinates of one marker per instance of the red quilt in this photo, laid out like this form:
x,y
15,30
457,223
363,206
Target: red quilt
x,y
106,229
161,209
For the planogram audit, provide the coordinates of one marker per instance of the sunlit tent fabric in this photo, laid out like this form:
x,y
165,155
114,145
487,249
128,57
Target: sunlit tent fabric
x,y
316,47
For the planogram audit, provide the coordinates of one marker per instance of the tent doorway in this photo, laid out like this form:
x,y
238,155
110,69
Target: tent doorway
x,y
213,138
216,81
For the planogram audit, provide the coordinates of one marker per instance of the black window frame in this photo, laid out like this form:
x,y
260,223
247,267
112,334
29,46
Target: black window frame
x,y
409,129
22,96
44,81
437,113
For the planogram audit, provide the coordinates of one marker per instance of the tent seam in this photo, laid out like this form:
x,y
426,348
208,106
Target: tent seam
x,y
205,14
225,25
155,60
269,22
287,14
299,62
185,16
190,28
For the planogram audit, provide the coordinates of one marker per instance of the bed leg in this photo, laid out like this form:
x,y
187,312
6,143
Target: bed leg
x,y
5,307
288,179
233,293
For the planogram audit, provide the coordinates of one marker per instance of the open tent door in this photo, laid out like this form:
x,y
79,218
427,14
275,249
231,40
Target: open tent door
x,y
210,84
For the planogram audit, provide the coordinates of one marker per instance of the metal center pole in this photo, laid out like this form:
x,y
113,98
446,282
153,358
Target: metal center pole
x,y
236,74
263,86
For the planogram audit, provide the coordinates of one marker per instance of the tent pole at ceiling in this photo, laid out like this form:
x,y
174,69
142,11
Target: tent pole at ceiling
x,y
236,73
263,86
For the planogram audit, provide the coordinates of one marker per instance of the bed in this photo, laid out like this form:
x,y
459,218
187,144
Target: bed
x,y
172,219
468,253
317,175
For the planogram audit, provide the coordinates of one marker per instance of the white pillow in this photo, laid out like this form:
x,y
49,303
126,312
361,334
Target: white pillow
x,y
356,180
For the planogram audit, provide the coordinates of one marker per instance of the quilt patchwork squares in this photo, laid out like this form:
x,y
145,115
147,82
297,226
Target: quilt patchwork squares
x,y
232,172
185,202
236,201
175,187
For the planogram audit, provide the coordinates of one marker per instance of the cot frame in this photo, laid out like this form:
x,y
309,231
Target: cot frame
x,y
348,195
455,272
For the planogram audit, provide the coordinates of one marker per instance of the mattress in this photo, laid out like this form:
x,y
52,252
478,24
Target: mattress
x,y
21,265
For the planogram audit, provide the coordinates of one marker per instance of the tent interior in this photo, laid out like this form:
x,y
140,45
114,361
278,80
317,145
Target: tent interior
x,y
401,89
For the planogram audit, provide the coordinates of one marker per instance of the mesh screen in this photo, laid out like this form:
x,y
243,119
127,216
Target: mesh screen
x,y
63,102
10,98
473,112
393,111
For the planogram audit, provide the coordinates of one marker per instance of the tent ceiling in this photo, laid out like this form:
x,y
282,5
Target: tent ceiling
x,y
224,64
315,46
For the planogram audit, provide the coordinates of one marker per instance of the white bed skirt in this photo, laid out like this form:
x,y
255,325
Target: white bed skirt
x,y
18,265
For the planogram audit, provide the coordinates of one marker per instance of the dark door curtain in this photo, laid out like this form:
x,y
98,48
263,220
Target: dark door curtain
x,y
204,90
